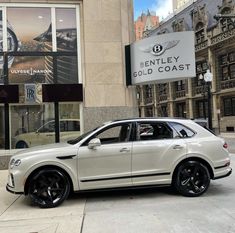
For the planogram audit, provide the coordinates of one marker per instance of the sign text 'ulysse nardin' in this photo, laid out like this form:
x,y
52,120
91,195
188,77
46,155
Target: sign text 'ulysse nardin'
x,y
163,58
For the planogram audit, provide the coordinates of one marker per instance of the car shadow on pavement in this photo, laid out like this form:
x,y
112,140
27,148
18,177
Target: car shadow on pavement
x,y
125,193
215,189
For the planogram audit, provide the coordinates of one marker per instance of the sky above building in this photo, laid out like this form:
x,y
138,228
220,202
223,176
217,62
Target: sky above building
x,y
162,8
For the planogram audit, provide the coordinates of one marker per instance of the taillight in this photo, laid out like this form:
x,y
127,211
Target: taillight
x,y
225,145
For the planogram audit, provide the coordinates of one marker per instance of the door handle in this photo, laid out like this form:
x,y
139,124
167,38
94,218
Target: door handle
x,y
125,150
177,147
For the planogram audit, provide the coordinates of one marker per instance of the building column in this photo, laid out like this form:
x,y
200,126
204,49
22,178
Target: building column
x,y
142,112
190,100
155,100
171,104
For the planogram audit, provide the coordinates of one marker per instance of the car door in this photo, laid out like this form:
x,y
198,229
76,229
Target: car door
x,y
108,164
154,153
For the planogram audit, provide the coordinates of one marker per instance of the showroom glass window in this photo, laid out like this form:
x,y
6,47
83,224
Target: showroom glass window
x,y
36,37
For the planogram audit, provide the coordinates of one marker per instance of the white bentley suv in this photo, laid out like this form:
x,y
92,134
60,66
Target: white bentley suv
x,y
121,154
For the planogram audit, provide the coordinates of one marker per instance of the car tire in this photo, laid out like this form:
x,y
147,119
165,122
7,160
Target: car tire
x,y
48,188
21,144
192,179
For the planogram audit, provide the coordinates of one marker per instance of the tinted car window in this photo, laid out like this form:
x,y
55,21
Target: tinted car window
x,y
153,131
183,131
113,134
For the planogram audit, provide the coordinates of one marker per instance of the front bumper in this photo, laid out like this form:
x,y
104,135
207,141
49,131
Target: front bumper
x,y
15,183
8,188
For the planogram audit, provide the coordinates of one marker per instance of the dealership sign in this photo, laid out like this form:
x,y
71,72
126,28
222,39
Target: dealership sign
x,y
163,58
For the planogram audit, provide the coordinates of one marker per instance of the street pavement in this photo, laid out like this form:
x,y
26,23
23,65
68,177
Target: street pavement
x,y
161,210
157,210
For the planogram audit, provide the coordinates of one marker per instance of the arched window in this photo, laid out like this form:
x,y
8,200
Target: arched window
x,y
226,23
199,33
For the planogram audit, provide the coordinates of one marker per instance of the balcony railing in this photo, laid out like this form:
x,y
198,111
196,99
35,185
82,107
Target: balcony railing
x,y
148,100
180,94
162,98
199,90
228,84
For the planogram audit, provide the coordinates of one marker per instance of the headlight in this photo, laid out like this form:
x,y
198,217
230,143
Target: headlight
x,y
15,163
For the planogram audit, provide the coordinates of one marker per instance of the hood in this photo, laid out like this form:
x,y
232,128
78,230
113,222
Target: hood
x,y
42,150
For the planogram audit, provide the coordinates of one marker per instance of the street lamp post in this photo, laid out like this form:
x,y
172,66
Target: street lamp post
x,y
208,79
201,77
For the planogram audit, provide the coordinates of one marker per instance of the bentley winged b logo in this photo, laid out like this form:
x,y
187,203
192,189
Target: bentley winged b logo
x,y
159,49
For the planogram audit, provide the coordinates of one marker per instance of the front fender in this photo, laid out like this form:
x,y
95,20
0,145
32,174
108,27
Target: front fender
x,y
71,171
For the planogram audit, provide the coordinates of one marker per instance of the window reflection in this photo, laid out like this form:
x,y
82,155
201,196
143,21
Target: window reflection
x,y
27,122
69,121
66,33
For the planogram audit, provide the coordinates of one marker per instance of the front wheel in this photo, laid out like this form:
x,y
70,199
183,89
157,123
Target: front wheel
x,y
21,144
49,188
192,179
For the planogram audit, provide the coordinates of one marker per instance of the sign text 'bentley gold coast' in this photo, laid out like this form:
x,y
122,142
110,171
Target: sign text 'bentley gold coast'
x,y
163,58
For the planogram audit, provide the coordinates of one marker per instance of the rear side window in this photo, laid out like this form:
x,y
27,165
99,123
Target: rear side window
x,y
153,131
183,131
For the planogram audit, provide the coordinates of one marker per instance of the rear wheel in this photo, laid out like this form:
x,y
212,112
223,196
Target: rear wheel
x,y
192,179
49,188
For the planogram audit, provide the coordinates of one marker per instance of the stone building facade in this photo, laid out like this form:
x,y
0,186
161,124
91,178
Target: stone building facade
x,y
215,50
177,4
62,44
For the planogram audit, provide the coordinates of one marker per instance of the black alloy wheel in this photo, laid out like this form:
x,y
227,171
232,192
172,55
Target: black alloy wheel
x,y
192,179
49,188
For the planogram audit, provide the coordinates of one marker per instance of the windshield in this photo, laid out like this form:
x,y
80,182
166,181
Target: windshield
x,y
76,140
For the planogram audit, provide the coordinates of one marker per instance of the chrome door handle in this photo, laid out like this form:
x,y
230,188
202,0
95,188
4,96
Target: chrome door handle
x,y
125,150
177,147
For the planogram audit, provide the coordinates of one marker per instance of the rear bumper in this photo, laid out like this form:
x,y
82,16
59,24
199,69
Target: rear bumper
x,y
228,173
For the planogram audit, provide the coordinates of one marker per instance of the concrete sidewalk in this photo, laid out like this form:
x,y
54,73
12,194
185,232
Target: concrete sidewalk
x,y
17,215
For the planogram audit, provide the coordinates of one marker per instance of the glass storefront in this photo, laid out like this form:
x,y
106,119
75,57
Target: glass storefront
x,y
38,54
28,125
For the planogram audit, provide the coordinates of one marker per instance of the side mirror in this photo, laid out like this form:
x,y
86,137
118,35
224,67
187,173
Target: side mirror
x,y
94,143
